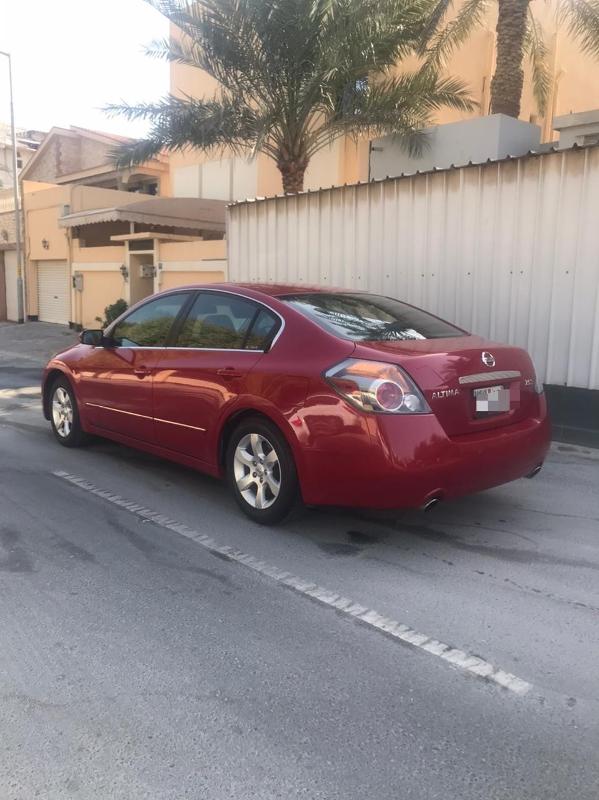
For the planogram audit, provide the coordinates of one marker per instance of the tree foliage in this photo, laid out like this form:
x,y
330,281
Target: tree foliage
x,y
293,76
112,312
452,22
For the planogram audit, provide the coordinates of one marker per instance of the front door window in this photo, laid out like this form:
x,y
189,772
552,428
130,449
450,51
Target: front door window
x,y
149,325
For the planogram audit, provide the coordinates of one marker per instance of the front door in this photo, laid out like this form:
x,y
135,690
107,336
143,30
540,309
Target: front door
x,y
205,370
116,381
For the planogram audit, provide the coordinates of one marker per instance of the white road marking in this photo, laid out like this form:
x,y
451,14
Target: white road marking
x,y
8,394
472,664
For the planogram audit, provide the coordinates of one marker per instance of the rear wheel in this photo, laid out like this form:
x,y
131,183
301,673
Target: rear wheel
x,y
261,471
64,415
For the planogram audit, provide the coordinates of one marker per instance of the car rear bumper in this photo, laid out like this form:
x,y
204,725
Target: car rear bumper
x,y
405,462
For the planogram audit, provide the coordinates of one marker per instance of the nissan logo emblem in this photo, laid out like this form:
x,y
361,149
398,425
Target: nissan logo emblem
x,y
488,359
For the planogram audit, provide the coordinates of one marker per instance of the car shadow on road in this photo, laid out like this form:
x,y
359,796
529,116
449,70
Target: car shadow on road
x,y
490,524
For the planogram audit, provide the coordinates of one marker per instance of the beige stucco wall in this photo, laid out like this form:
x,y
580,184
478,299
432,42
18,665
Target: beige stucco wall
x,y
100,289
96,255
84,198
170,280
41,209
193,251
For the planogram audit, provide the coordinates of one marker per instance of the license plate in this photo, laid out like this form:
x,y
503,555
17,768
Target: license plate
x,y
492,400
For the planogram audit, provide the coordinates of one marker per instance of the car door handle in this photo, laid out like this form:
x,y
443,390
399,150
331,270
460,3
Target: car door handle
x,y
142,371
229,372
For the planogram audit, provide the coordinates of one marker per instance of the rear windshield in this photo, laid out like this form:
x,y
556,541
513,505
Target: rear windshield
x,y
370,318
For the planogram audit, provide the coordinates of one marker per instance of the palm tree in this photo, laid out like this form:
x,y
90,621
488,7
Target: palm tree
x,y
293,76
519,35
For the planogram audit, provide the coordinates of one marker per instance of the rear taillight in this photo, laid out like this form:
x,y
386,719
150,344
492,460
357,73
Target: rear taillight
x,y
377,387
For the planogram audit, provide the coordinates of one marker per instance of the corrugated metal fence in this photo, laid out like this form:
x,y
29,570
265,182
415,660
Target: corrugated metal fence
x,y
506,249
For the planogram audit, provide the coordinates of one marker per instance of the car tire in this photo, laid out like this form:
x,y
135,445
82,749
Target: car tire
x,y
64,415
261,471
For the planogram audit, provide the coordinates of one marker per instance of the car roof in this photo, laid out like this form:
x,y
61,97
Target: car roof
x,y
269,289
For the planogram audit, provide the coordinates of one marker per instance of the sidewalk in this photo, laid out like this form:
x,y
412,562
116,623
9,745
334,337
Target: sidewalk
x,y
32,343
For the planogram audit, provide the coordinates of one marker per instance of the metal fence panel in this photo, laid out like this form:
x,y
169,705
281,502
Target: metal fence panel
x,y
507,249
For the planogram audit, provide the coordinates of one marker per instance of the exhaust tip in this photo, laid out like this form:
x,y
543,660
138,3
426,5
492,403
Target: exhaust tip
x,y
535,471
430,504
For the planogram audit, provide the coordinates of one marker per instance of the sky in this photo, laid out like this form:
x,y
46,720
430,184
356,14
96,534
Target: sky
x,y
72,57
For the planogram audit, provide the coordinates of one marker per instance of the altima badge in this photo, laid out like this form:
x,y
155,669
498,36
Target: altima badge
x,y
488,359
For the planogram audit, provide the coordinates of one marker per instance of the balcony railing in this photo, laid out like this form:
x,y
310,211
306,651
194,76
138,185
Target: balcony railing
x,y
7,204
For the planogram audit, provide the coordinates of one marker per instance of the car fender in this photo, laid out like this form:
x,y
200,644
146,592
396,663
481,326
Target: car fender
x,y
288,422
51,372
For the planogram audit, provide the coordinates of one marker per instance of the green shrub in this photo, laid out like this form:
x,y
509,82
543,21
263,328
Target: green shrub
x,y
112,311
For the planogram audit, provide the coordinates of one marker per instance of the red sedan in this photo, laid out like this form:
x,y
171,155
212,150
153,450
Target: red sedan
x,y
329,396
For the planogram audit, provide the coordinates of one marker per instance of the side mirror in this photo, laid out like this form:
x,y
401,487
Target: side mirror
x,y
92,336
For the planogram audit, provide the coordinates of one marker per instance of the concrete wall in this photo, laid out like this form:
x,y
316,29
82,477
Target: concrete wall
x,y
2,288
508,250
191,262
456,144
101,289
8,234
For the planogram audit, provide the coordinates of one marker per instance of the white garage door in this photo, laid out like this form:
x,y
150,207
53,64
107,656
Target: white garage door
x,y
10,276
53,291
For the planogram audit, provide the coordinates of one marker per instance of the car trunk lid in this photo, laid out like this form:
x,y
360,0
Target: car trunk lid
x,y
454,373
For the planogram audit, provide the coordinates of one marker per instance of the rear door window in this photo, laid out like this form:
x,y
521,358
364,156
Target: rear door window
x,y
218,321
367,317
262,331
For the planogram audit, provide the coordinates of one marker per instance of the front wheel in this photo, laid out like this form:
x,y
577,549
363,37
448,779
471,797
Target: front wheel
x,y
64,415
261,471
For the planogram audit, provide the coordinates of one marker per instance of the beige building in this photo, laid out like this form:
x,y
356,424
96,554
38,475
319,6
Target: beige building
x,y
87,247
94,234
66,158
85,158
574,88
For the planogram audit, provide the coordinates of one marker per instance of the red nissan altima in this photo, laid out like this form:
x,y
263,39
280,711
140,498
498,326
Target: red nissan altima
x,y
329,396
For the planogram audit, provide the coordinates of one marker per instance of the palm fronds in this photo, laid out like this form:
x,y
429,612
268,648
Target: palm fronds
x,y
538,53
581,19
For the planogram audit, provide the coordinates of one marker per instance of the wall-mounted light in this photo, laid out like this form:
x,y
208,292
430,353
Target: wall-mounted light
x,y
124,272
45,244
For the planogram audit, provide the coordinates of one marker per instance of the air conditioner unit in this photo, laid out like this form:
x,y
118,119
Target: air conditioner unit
x,y
147,271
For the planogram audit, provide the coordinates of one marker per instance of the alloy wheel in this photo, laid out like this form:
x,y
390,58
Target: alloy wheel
x,y
257,471
62,412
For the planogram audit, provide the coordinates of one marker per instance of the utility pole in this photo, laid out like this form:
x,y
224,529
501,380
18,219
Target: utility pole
x,y
15,169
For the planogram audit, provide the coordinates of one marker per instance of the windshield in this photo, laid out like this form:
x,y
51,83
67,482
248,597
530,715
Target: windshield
x,y
368,318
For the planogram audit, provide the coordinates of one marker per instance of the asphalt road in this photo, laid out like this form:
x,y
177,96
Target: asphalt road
x,y
138,663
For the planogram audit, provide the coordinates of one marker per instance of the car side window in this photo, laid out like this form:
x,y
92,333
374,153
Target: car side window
x,y
262,331
149,325
218,321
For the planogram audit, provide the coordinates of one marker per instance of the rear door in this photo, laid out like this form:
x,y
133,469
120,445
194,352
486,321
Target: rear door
x,y
204,371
